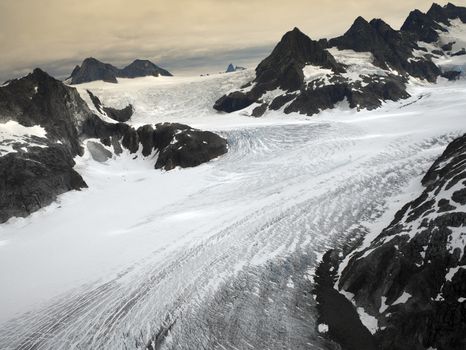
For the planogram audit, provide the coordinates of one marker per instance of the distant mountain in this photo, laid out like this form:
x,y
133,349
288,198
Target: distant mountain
x,y
369,64
232,68
142,68
92,69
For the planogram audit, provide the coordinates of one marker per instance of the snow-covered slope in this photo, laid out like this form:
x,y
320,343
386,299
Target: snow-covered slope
x,y
220,255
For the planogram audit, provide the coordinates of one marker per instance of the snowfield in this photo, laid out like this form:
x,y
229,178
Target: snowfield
x,y
215,256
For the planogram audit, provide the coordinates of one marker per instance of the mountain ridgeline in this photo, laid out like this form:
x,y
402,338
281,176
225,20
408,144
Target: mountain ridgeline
x,y
369,64
92,69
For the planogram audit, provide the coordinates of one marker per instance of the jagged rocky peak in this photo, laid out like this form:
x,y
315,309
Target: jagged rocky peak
x,y
283,67
422,26
92,69
141,68
390,48
361,36
427,26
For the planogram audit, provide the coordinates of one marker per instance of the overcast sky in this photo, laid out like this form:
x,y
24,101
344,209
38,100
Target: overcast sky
x,y
184,36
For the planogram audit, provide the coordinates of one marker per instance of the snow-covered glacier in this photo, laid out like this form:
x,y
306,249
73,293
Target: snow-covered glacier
x,y
220,256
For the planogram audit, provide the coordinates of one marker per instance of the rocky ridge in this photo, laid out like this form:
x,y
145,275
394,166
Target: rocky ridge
x,y
369,64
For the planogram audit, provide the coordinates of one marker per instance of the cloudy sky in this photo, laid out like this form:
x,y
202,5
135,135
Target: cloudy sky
x,y
184,36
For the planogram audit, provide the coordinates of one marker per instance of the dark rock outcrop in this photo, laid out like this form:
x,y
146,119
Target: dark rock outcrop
x,y
412,277
188,147
39,99
33,179
176,144
92,69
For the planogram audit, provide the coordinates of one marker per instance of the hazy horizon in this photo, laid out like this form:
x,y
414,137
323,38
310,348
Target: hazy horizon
x,y
184,37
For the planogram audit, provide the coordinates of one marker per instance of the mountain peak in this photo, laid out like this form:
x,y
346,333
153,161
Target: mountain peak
x,y
361,36
142,68
425,26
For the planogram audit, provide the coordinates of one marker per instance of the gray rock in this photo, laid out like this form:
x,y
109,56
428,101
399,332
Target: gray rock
x,y
34,179
98,152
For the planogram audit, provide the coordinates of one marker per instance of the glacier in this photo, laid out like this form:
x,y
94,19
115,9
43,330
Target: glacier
x,y
219,256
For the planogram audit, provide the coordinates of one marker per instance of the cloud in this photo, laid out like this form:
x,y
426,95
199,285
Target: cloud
x,y
62,33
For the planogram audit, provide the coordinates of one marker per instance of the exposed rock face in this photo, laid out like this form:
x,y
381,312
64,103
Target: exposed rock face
x,y
39,168
412,277
426,27
369,64
176,144
390,48
33,179
39,99
92,69
188,147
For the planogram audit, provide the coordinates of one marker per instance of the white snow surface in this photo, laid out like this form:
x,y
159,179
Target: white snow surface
x,y
312,72
12,132
108,266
